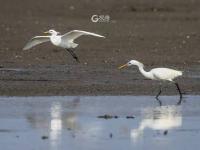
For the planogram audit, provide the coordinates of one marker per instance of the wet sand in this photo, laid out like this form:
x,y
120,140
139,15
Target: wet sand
x,y
159,34
57,123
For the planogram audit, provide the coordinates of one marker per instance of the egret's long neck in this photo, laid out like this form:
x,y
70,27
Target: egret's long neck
x,y
145,73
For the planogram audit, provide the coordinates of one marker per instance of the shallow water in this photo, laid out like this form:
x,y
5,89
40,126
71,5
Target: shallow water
x,y
69,122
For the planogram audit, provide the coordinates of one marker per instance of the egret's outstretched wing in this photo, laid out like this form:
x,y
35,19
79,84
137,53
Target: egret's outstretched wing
x,y
35,41
74,34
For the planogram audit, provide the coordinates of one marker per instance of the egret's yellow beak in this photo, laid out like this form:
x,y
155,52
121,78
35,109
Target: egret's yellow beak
x,y
125,65
46,32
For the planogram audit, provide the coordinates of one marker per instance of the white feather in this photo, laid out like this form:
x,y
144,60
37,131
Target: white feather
x,y
165,73
35,41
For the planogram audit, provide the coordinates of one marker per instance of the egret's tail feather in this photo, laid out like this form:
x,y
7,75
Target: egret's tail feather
x,y
74,45
179,73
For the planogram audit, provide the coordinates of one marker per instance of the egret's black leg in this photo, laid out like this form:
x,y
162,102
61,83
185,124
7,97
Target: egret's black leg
x,y
158,93
179,102
159,101
180,93
73,54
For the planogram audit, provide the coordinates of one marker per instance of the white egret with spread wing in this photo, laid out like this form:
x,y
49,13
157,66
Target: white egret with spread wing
x,y
65,41
160,74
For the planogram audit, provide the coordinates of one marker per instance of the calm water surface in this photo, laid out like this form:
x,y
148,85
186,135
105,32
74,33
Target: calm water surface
x,y
70,122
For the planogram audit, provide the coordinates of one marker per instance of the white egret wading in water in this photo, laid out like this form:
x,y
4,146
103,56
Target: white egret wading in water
x,y
160,74
65,41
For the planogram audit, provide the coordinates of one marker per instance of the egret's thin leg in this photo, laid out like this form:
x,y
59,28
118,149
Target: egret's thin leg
x,y
160,91
158,94
180,93
179,102
73,54
159,101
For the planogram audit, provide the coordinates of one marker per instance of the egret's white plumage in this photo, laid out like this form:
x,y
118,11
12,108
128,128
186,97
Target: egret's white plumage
x,y
65,41
35,41
161,74
165,74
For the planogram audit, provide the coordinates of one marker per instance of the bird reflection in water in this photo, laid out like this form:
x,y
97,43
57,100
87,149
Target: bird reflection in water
x,y
162,118
60,120
60,117
55,124
56,120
